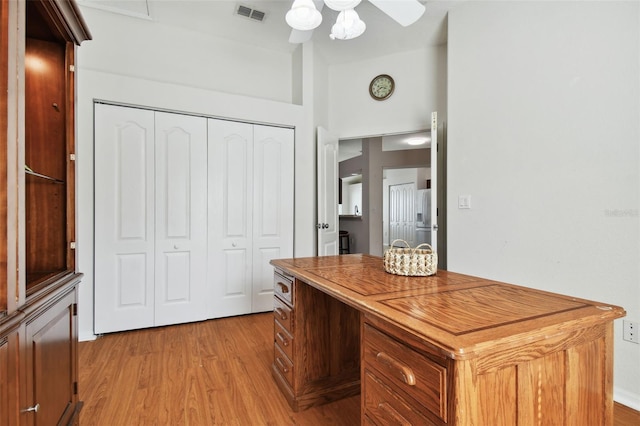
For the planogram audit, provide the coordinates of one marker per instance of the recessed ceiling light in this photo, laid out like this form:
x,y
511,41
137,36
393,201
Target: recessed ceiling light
x,y
416,141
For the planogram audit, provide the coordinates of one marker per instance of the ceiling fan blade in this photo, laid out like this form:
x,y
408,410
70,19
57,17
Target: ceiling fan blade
x,y
404,12
300,36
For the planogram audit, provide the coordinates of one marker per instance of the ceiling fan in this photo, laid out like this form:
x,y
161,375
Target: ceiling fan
x,y
305,15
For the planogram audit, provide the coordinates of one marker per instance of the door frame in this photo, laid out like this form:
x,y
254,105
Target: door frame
x,y
441,183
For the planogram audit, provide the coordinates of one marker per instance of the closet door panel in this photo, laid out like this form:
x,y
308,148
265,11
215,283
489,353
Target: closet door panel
x,y
235,271
124,235
181,221
235,152
273,207
230,226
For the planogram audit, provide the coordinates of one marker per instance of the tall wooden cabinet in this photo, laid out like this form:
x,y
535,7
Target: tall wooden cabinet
x,y
38,303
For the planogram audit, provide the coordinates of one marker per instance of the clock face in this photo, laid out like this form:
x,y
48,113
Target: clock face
x,y
381,87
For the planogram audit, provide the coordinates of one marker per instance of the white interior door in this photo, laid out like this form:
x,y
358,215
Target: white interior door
x,y
124,219
402,225
327,193
230,221
434,181
181,218
272,208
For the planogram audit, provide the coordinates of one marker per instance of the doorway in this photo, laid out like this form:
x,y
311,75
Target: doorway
x,y
403,214
370,161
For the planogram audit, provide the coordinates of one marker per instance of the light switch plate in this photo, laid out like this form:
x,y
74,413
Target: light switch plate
x,y
464,201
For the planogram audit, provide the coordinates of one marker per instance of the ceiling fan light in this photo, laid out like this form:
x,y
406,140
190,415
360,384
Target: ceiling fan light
x,y
303,15
347,26
340,5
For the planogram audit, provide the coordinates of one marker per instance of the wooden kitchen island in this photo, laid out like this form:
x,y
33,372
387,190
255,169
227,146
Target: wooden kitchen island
x,y
449,349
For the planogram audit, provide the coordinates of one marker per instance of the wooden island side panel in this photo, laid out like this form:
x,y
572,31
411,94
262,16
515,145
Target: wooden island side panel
x,y
316,345
452,349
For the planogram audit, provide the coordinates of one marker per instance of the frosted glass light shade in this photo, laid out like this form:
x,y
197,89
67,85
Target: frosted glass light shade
x,y
347,26
340,5
303,15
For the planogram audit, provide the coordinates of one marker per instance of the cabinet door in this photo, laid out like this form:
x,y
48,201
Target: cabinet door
x,y
9,376
230,212
51,377
272,208
125,223
181,218
4,380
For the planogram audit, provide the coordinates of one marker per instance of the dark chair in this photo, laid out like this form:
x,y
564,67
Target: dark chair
x,y
343,241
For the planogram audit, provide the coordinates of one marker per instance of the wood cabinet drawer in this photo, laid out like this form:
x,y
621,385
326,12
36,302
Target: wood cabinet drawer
x,y
283,287
283,314
283,364
406,370
385,408
283,339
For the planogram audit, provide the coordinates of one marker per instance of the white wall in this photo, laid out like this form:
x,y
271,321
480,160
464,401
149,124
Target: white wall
x,y
543,133
145,49
104,74
420,78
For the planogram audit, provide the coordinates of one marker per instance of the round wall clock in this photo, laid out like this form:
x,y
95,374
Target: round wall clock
x,y
381,87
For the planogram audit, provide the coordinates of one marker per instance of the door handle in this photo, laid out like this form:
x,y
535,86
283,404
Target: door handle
x,y
322,225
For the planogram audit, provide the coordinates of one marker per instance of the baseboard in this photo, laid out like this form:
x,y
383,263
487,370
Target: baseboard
x,y
86,337
629,399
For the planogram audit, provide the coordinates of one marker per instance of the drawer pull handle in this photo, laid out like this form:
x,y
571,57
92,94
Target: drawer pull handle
x,y
284,340
281,365
397,368
282,314
392,414
283,287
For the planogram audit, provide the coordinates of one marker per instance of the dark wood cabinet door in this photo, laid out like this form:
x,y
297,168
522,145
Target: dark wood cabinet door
x,y
9,378
51,345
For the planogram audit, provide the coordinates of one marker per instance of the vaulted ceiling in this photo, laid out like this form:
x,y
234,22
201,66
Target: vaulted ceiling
x,y
219,18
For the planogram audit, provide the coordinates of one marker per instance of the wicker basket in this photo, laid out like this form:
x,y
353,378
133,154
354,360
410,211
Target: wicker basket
x,y
414,262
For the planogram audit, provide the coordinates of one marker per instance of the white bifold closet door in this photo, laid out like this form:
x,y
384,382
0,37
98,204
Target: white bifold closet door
x,y
250,212
150,218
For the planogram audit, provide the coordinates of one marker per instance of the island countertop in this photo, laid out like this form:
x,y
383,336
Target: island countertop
x,y
460,316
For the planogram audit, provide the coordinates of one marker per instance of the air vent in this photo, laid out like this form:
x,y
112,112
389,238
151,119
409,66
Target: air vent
x,y
250,13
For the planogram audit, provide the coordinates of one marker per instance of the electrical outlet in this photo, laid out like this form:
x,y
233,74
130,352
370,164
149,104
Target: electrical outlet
x,y
630,331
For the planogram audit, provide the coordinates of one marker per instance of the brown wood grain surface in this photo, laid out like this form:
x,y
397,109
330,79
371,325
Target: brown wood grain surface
x,y
46,154
463,315
4,146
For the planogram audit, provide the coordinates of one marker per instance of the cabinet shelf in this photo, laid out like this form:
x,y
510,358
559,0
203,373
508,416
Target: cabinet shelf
x,y
41,176
38,280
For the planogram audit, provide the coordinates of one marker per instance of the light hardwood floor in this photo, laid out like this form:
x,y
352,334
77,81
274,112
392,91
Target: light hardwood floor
x,y
208,373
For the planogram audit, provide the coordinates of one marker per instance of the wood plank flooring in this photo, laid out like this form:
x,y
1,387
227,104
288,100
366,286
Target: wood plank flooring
x,y
208,373
213,372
